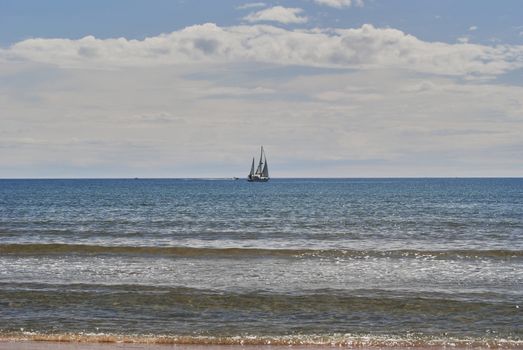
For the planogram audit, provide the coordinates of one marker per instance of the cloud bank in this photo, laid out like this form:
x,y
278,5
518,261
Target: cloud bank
x,y
366,47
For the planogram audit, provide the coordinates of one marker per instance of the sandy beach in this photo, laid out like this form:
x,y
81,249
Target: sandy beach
x,y
43,345
37,345
33,345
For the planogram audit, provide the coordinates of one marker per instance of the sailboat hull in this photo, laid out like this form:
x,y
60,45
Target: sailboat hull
x,y
256,179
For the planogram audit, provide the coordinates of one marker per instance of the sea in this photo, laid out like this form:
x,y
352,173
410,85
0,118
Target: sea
x,y
335,262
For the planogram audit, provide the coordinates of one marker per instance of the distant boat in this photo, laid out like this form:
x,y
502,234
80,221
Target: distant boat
x,y
262,171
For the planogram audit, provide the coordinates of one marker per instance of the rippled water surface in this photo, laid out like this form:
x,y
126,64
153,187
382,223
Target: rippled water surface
x,y
424,259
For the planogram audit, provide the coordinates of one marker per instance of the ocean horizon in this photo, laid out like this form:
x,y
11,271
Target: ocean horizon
x,y
271,178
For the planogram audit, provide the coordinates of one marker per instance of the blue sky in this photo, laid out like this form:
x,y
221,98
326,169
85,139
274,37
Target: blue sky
x,y
443,20
192,88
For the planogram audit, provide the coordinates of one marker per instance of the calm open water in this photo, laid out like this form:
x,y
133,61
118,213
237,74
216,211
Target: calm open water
x,y
374,261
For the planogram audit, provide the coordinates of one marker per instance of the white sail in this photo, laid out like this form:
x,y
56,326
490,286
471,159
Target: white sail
x,y
260,164
265,172
252,168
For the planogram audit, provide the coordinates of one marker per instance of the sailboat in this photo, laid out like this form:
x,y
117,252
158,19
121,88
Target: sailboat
x,y
262,171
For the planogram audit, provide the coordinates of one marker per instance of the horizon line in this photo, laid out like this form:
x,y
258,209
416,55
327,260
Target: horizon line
x,y
272,178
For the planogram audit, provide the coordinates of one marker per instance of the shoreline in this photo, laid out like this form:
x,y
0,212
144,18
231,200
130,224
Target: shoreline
x,y
39,341
72,345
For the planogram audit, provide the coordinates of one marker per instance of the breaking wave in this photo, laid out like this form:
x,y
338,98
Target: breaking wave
x,y
181,251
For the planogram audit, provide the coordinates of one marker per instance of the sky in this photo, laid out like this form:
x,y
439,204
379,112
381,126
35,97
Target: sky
x,y
193,88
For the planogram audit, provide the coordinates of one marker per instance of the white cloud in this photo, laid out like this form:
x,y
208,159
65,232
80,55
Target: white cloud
x,y
362,48
473,28
340,3
250,5
280,14
192,103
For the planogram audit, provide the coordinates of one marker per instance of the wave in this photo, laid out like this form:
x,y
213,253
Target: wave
x,y
346,340
202,252
180,315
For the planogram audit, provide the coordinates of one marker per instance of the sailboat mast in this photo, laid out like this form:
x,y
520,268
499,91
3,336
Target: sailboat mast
x,y
265,168
260,164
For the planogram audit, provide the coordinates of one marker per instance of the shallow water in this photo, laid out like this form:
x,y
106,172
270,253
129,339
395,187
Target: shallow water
x,y
424,260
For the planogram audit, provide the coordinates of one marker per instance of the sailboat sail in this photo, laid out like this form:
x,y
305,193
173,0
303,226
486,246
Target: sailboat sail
x,y
260,164
265,171
262,171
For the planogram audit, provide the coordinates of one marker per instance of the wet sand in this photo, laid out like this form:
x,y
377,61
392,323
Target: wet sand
x,y
34,345
111,342
37,345
46,345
